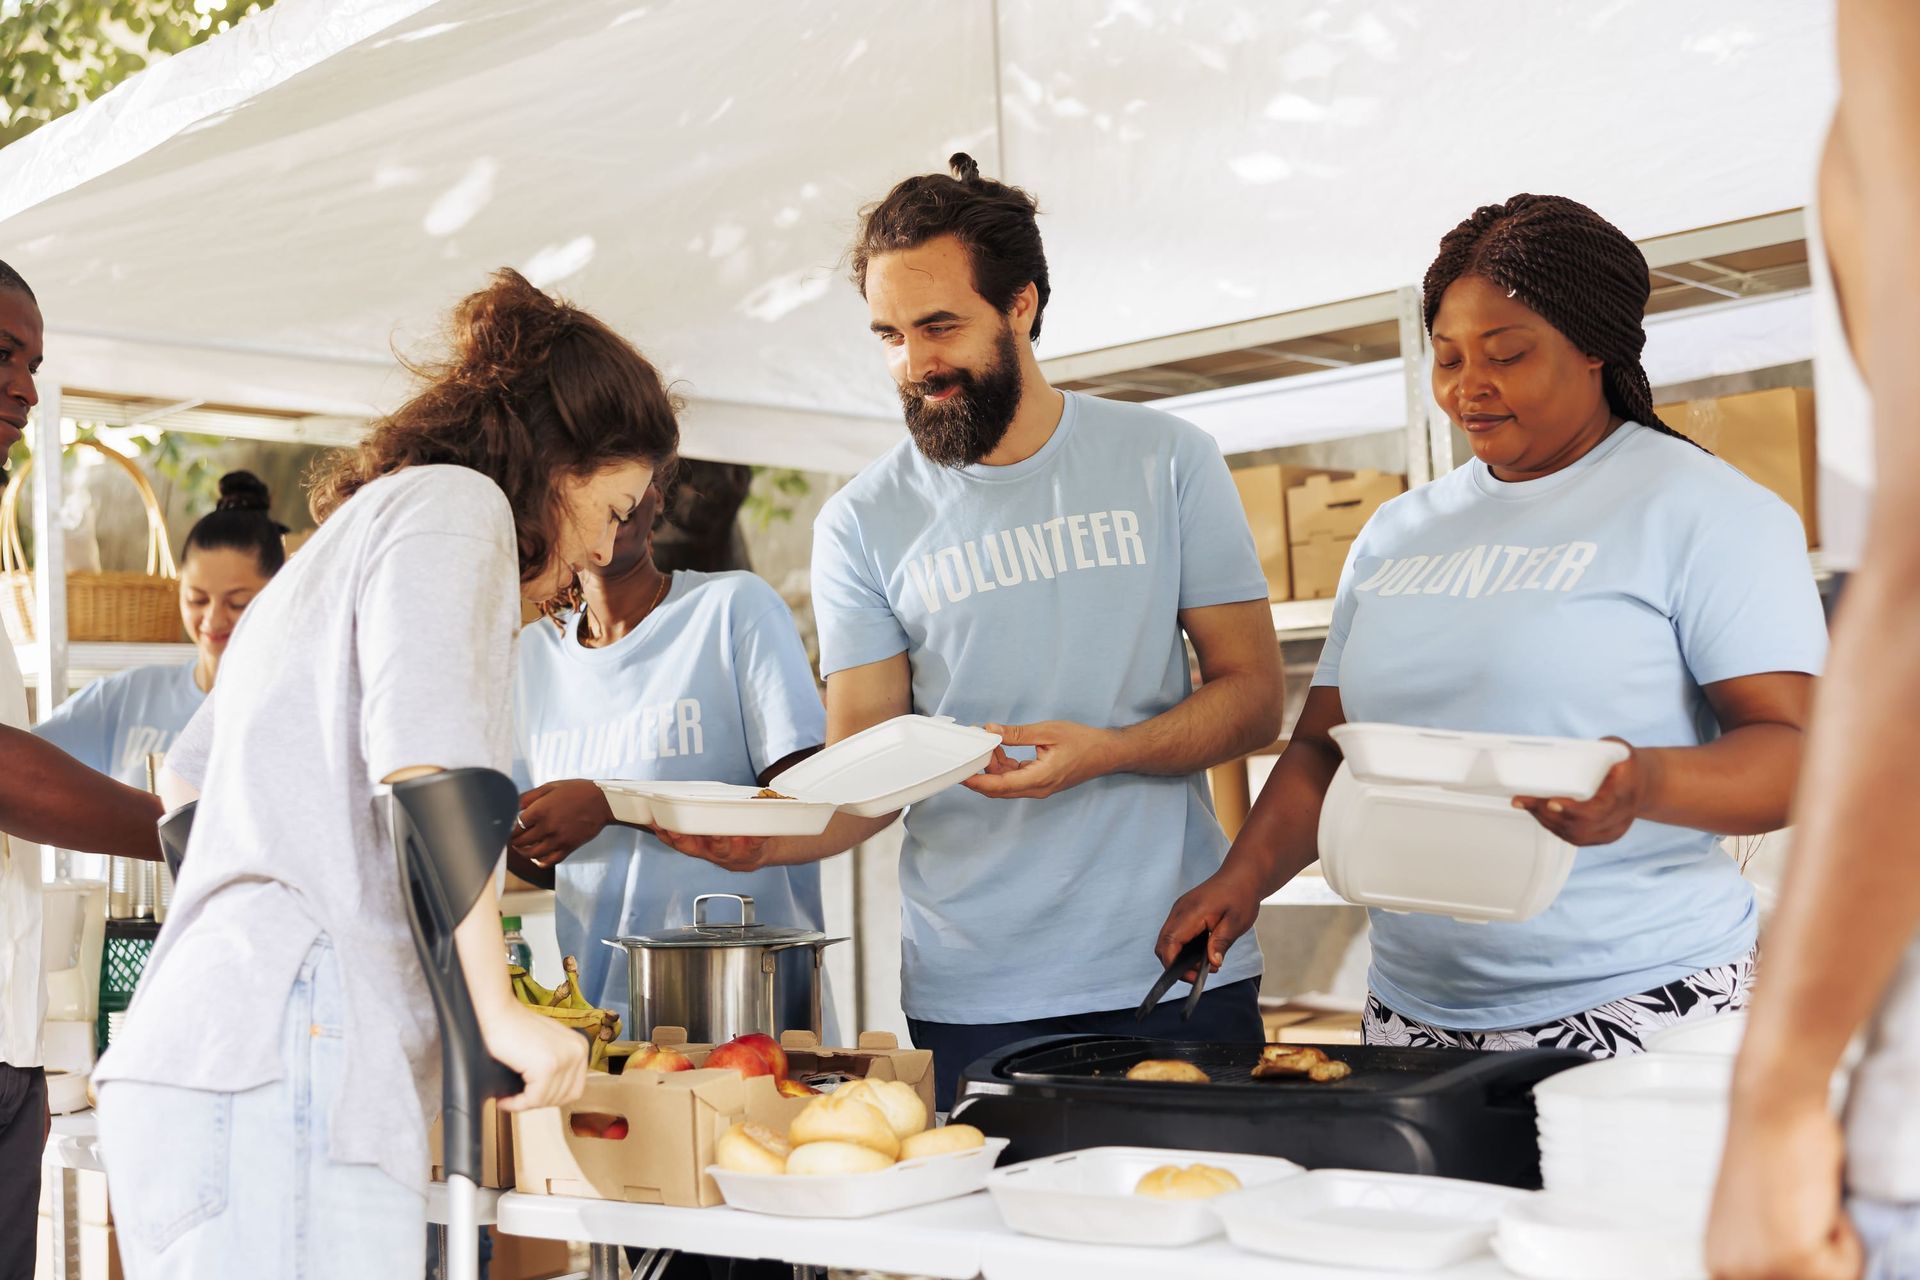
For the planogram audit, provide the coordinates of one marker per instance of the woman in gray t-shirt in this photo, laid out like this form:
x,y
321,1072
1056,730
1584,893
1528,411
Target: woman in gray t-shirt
x,y
264,1111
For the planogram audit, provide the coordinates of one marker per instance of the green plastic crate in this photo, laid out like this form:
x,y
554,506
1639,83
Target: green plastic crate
x,y
123,959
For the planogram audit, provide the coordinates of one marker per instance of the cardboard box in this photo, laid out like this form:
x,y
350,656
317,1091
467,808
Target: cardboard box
x,y
1263,495
496,1148
674,1119
1317,564
523,1258
1769,435
1327,506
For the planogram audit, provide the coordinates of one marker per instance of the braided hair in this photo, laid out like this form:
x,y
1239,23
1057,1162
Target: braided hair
x,y
1578,271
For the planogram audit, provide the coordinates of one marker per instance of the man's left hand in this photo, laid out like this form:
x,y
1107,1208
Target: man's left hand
x,y
1065,755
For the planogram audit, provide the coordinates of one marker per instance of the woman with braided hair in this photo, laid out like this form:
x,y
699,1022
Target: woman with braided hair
x,y
1589,573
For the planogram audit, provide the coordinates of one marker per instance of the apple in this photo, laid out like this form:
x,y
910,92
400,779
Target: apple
x,y
795,1089
598,1124
744,1058
769,1048
668,1060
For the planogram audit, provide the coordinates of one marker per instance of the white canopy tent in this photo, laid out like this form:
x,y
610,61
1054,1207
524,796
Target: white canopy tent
x,y
262,220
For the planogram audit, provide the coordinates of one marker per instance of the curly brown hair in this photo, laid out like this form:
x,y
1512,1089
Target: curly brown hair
x,y
534,390
1578,271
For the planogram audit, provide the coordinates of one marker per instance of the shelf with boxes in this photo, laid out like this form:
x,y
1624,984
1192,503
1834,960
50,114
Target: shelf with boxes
x,y
1304,521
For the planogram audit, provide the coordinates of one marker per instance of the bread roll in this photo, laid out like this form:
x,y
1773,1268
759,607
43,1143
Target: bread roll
x,y
751,1148
1195,1182
1167,1069
944,1141
906,1114
838,1118
818,1159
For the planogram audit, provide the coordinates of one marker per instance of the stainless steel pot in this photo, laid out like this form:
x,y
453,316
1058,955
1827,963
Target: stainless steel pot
x,y
724,980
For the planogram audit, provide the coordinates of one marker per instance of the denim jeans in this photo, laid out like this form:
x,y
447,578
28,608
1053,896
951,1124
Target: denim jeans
x,y
234,1184
1891,1234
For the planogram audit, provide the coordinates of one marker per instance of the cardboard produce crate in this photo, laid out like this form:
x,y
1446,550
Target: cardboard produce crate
x,y
1769,435
674,1119
1263,494
1317,564
496,1148
1328,506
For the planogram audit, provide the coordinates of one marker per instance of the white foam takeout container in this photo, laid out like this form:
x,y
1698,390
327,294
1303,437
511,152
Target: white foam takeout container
x,y
1087,1196
1490,764
1388,1221
1425,849
861,1195
874,772
1549,1237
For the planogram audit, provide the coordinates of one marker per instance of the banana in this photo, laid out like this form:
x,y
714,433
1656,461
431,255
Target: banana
x,y
597,1060
575,996
583,1019
527,989
561,996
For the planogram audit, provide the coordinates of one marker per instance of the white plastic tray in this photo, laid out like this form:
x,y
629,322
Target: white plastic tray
x,y
1087,1196
891,765
874,772
713,809
861,1195
1492,764
1549,1237
1391,1221
1407,848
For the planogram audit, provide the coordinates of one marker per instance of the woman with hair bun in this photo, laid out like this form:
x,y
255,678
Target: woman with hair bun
x,y
264,1110
231,553
1589,573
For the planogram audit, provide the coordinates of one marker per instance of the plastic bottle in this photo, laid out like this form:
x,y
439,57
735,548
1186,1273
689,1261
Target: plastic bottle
x,y
518,952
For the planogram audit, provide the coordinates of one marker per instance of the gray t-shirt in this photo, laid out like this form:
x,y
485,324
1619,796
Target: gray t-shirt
x,y
387,642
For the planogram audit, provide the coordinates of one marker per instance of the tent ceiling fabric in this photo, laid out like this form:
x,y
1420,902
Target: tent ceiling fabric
x,y
275,212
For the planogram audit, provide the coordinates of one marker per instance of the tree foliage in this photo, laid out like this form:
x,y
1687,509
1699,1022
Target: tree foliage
x,y
58,54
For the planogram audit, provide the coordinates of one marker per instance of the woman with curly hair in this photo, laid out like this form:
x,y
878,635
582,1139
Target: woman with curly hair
x,y
264,1111
1588,573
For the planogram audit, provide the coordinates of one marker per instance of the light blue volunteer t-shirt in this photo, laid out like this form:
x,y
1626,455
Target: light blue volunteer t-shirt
x,y
1045,590
111,725
1594,602
713,686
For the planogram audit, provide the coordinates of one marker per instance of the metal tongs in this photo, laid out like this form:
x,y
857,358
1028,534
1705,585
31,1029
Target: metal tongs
x,y
1192,956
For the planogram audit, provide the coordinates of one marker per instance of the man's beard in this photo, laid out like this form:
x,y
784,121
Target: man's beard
x,y
969,425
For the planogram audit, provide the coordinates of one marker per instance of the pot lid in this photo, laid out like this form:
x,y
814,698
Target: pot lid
x,y
705,932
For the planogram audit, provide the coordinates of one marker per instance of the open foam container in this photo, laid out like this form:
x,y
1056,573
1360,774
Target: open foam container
x,y
1346,1217
1088,1196
874,772
1489,764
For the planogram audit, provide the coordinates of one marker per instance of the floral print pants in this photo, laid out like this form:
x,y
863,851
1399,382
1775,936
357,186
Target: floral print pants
x,y
1617,1027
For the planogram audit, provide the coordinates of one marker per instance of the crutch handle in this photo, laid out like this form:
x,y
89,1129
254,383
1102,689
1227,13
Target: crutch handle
x,y
449,830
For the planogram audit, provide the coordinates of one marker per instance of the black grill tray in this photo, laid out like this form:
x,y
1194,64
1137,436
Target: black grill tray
x,y
1452,1112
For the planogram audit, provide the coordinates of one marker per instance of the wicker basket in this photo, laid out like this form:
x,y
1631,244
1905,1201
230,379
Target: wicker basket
x,y
120,606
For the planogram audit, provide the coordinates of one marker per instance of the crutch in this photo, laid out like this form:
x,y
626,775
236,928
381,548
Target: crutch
x,y
449,830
